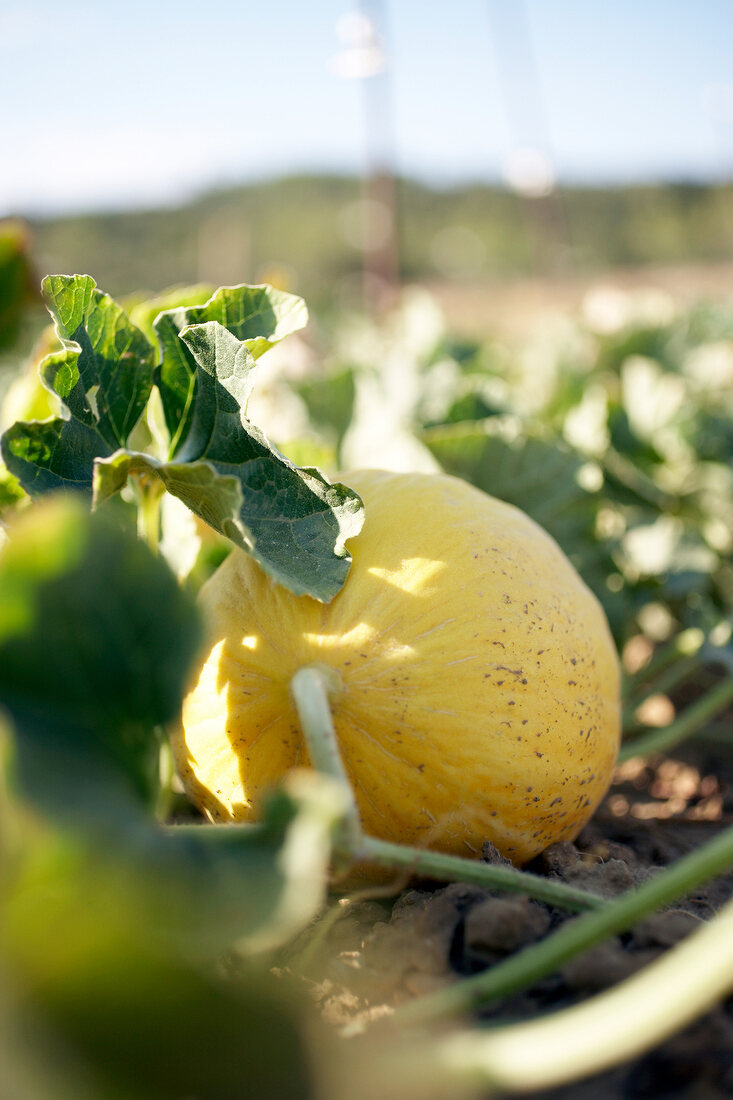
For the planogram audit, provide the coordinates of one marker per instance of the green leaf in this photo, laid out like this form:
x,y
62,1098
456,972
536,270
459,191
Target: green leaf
x,y
95,642
17,289
330,402
215,497
222,467
103,376
143,311
258,885
125,1011
52,454
259,316
292,520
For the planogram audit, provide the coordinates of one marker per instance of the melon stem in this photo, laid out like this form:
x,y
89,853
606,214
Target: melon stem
x,y
692,719
311,688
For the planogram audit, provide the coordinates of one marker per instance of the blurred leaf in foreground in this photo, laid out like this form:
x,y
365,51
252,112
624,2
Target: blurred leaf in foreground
x,y
16,281
132,1016
114,929
95,642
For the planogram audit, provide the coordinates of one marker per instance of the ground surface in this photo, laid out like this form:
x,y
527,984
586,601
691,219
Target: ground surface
x,y
383,952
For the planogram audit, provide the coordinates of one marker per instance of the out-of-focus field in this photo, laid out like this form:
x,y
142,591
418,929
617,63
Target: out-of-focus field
x,y
486,251
512,306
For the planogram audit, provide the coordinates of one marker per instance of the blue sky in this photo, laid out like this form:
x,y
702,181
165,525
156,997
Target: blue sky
x,y
105,106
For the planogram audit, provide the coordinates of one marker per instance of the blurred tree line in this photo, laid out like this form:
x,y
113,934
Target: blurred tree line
x,y
310,233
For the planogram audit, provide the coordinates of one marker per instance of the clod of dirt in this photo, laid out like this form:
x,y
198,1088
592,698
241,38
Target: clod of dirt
x,y
603,966
606,877
560,859
504,924
421,931
491,854
665,929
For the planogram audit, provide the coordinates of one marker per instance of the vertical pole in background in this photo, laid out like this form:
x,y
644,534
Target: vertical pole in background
x,y
381,262
365,58
528,169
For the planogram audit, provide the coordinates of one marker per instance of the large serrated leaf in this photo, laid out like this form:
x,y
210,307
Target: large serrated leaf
x,y
103,376
292,520
259,316
220,465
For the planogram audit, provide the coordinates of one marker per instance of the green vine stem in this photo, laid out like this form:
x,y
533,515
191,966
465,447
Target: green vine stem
x,y
418,861
665,682
166,775
148,495
544,958
686,725
685,645
310,688
590,1037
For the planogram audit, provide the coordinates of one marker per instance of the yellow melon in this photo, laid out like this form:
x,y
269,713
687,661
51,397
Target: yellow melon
x,y
479,683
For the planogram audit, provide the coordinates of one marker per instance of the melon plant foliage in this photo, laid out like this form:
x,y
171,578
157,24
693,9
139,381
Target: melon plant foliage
x,y
136,956
96,642
214,459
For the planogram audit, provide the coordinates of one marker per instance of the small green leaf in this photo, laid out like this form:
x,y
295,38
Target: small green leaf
x,y
52,454
215,497
143,311
259,316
